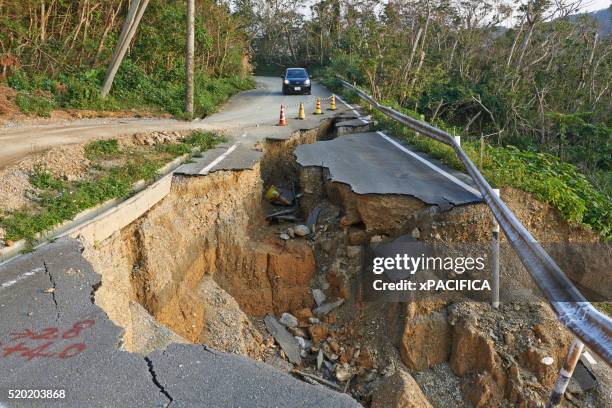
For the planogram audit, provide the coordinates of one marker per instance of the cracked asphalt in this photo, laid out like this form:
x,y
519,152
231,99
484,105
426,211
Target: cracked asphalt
x,y
53,337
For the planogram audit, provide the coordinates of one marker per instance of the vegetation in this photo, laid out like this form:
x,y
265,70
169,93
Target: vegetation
x,y
530,76
549,179
55,55
58,200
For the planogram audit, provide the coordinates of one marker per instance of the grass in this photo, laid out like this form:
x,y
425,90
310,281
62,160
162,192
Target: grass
x,y
549,179
101,149
133,88
59,200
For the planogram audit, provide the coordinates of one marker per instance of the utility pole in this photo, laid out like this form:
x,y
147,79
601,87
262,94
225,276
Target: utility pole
x,y
135,12
189,56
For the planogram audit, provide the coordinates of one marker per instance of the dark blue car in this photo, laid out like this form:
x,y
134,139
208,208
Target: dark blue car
x,y
296,81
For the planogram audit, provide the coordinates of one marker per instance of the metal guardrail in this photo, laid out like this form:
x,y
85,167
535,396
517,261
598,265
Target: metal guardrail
x,y
573,310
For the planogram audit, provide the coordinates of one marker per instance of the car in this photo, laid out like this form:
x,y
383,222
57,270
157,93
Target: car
x,y
296,81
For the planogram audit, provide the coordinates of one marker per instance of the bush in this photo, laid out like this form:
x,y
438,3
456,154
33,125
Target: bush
x,y
32,103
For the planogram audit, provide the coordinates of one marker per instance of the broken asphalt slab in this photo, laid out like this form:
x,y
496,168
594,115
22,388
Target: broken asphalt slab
x,y
220,380
371,164
53,337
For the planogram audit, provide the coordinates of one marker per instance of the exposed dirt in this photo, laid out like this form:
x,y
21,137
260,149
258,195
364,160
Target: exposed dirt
x,y
206,265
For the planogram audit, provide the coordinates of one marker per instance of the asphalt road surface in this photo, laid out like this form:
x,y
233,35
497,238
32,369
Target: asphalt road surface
x,y
249,111
52,336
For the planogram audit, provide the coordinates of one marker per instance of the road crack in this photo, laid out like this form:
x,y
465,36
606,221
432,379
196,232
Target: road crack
x,y
156,381
54,288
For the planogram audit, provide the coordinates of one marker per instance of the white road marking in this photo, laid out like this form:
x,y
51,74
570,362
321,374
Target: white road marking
x,y
431,165
20,278
219,159
349,106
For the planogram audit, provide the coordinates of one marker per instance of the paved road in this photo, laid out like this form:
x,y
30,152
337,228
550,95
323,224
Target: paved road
x,y
249,110
53,337
374,163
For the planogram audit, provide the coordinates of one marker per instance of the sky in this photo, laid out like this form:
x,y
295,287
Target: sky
x,y
592,5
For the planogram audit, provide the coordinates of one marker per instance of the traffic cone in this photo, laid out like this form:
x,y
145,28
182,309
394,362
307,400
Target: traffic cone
x,y
317,110
301,113
282,121
332,103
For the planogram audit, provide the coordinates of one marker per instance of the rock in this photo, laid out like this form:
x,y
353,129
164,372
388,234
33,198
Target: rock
x,y
353,251
301,230
288,320
399,391
426,340
9,243
376,239
291,232
548,360
296,331
416,233
285,340
343,372
318,333
313,320
284,237
2,234
303,314
364,359
304,345
319,359
318,296
328,307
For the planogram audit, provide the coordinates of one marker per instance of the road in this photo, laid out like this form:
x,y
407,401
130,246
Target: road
x,y
248,111
53,337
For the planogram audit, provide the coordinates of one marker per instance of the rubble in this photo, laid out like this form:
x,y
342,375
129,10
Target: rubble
x,y
301,230
318,296
285,340
328,307
288,320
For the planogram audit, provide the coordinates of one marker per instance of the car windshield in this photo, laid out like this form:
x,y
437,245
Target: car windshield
x,y
296,73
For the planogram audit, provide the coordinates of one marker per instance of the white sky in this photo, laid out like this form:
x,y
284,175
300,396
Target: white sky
x,y
593,5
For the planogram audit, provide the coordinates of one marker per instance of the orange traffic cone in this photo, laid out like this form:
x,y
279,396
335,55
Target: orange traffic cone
x,y
332,103
317,110
282,121
301,113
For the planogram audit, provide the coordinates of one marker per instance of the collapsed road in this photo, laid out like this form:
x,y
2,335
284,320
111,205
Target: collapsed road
x,y
104,315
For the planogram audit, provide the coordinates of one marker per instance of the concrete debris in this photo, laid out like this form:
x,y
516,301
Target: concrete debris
x,y
284,237
318,296
344,372
285,340
301,230
328,307
288,320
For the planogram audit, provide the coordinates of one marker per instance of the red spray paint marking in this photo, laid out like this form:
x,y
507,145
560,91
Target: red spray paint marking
x,y
28,351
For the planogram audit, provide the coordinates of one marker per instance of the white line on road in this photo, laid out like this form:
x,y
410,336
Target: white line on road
x,y
20,278
431,165
219,159
349,106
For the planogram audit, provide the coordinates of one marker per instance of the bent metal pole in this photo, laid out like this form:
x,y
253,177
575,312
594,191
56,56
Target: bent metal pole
x,y
565,374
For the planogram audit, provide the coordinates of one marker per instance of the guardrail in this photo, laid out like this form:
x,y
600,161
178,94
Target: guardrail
x,y
573,310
